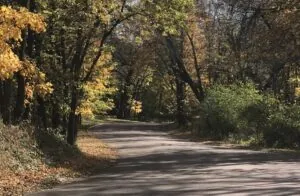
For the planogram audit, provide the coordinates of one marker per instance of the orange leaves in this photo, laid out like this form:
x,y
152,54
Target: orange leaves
x,y
94,149
12,22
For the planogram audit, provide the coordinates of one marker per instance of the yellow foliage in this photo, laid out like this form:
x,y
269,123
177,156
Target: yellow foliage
x,y
85,109
44,89
12,22
297,92
36,81
136,107
95,89
9,63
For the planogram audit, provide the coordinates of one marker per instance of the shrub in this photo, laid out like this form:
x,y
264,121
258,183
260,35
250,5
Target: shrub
x,y
223,109
243,113
283,127
257,117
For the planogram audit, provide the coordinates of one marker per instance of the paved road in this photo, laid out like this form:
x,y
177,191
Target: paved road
x,y
152,163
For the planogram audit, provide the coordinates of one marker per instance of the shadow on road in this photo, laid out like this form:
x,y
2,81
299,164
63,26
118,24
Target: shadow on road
x,y
151,163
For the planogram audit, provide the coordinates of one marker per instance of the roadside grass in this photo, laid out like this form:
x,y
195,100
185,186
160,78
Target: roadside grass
x,y
188,135
31,162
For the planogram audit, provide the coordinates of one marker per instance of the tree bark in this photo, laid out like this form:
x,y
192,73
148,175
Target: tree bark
x,y
42,116
20,99
72,124
6,107
196,88
1,99
180,97
56,118
123,106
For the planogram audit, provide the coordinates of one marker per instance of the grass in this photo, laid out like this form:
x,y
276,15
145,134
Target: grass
x,y
30,162
187,134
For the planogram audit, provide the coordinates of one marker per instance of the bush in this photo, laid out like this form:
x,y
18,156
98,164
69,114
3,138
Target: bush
x,y
240,111
283,127
257,117
223,108
274,124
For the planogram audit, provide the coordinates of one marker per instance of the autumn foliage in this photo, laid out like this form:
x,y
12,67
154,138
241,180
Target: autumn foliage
x,y
62,61
12,22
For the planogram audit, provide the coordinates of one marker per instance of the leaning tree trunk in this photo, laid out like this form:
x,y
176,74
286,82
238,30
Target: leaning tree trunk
x,y
197,88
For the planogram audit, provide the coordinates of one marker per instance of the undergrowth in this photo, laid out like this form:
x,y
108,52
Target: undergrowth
x,y
33,160
242,114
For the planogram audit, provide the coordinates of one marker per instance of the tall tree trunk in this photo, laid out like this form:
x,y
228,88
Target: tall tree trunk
x,y
42,113
123,110
56,118
123,106
20,99
185,76
180,96
6,107
72,124
1,99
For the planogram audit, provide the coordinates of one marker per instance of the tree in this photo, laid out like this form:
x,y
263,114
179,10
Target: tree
x,y
78,38
12,23
249,40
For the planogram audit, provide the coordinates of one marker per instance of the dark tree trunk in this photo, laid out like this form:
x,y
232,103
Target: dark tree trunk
x,y
183,73
42,113
25,49
20,99
1,98
6,107
123,106
64,125
123,111
56,119
72,124
180,96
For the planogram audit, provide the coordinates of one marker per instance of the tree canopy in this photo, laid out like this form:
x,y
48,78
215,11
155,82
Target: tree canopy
x,y
61,61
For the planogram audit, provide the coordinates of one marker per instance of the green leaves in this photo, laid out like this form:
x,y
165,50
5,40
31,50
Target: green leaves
x,y
169,16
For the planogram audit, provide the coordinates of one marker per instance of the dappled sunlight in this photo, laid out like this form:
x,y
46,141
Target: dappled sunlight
x,y
151,163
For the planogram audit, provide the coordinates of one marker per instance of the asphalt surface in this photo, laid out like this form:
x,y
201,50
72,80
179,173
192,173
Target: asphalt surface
x,y
153,163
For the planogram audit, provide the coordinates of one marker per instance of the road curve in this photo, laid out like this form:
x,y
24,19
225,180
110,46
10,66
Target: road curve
x,y
152,163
